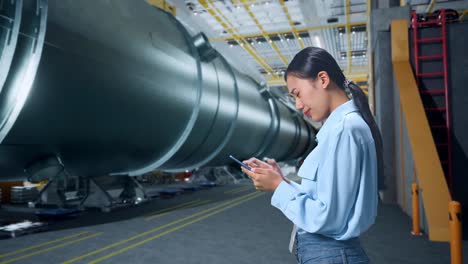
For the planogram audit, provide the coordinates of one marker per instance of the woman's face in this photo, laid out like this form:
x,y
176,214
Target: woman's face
x,y
311,96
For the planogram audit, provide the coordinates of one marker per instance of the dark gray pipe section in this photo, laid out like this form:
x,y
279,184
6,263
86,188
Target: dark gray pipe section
x,y
10,17
131,91
273,130
23,65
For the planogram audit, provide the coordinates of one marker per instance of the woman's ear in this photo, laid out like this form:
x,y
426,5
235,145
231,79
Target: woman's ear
x,y
323,79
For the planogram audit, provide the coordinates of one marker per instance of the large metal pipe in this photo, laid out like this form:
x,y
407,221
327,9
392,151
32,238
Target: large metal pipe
x,y
131,91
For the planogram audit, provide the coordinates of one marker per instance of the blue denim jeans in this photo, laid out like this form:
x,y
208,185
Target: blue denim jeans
x,y
318,249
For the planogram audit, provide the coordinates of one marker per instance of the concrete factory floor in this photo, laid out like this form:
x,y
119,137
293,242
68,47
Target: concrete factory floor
x,y
224,224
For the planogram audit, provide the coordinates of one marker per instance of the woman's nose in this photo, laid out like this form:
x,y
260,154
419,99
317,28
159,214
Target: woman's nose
x,y
299,104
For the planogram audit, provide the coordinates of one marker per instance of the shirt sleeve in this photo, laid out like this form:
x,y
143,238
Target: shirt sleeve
x,y
337,185
295,185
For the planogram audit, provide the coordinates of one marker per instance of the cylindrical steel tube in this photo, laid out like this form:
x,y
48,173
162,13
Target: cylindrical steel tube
x,y
132,91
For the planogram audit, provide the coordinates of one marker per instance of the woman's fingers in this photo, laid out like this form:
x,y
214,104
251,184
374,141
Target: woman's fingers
x,y
248,172
261,171
273,163
275,166
253,177
264,179
256,163
252,162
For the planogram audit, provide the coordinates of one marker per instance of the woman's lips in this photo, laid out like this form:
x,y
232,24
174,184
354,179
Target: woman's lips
x,y
307,113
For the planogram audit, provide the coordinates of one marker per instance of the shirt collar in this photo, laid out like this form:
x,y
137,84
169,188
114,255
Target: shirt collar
x,y
336,116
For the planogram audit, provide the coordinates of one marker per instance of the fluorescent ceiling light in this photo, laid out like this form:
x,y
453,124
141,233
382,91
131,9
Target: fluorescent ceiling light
x,y
318,42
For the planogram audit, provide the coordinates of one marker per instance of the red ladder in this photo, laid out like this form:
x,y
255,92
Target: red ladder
x,y
443,144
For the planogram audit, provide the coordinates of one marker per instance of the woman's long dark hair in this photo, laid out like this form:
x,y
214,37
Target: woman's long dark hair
x,y
309,62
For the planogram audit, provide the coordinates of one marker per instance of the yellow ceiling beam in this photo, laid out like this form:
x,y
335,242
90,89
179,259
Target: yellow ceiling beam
x,y
289,31
431,6
463,13
370,58
360,68
360,79
164,5
276,81
360,73
264,34
245,44
291,23
357,79
279,81
348,33
269,59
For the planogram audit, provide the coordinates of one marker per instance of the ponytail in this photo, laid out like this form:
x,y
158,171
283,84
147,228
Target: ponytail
x,y
360,100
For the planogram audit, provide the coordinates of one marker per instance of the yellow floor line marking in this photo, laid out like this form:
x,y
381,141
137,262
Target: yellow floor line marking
x,y
40,245
183,207
49,249
237,189
155,229
243,190
171,208
171,230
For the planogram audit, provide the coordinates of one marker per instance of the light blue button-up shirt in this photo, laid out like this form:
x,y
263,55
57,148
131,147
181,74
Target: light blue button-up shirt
x,y
337,196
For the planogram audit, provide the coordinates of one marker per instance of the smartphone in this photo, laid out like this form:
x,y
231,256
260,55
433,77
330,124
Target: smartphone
x,y
241,163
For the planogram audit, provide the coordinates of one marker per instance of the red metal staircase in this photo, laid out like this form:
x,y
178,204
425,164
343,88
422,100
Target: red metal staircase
x,y
431,70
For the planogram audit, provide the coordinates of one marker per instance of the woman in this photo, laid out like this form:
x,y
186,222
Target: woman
x,y
337,198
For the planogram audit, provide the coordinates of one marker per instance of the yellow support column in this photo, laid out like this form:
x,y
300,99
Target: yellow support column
x,y
415,201
402,165
456,253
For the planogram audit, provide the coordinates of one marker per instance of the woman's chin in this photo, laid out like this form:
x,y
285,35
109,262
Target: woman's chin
x,y
316,118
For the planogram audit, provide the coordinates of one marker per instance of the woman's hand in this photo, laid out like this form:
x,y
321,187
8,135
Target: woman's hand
x,y
264,179
269,164
275,166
